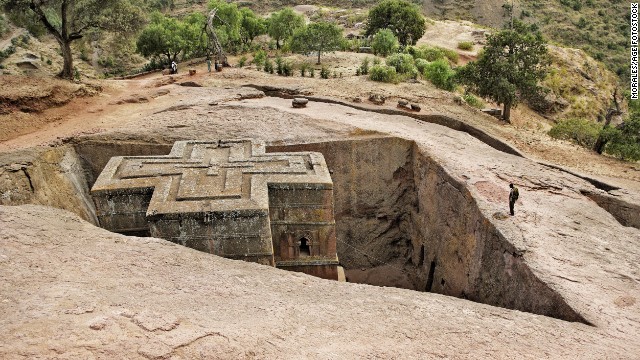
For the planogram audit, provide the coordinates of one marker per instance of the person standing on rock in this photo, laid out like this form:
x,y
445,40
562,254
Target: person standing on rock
x,y
513,196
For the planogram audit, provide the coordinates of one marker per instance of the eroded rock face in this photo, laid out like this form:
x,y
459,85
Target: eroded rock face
x,y
81,292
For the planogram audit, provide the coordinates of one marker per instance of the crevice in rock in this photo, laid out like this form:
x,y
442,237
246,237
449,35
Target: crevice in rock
x,y
401,219
26,174
597,183
432,269
399,210
625,213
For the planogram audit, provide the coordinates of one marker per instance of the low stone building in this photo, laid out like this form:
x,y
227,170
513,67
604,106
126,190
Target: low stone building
x,y
228,198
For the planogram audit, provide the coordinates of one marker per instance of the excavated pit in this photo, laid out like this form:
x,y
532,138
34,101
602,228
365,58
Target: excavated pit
x,y
401,220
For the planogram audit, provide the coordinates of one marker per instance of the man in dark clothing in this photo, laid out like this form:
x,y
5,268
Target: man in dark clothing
x,y
513,196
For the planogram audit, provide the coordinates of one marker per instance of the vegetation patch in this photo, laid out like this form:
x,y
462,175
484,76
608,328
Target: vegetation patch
x,y
465,45
582,132
383,73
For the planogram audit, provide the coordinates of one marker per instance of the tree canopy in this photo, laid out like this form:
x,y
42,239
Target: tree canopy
x,y
251,26
69,20
282,24
169,37
513,62
227,24
399,16
317,37
384,42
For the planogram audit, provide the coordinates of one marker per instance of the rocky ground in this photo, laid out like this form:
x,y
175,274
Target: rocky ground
x,y
71,290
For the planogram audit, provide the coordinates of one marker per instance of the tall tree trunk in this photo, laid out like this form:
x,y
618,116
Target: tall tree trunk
x,y
67,68
506,114
318,57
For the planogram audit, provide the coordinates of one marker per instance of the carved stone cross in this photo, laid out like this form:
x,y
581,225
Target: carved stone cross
x,y
215,196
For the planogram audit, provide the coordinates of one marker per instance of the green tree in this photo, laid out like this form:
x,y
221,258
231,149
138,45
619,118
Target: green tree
x,y
440,74
623,141
227,24
282,24
169,37
384,42
317,37
160,5
401,17
251,26
513,62
68,20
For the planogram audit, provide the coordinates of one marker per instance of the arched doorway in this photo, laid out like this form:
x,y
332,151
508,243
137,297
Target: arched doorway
x,y
303,244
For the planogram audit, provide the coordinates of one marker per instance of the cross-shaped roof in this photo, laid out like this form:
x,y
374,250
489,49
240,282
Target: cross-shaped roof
x,y
212,176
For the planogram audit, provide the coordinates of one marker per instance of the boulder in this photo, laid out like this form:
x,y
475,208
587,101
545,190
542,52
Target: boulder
x,y
299,102
415,107
377,99
190,84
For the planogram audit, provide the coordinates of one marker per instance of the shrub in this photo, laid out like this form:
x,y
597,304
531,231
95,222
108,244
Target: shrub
x,y
242,61
384,42
428,53
452,55
433,53
107,62
364,67
259,58
440,74
624,142
421,65
312,72
7,52
581,131
403,63
279,68
287,68
84,56
383,73
324,73
473,101
268,66
304,67
465,45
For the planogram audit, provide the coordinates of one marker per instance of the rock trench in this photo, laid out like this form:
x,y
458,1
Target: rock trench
x,y
401,219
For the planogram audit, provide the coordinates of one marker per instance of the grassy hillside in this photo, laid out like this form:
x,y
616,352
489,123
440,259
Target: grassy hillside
x,y
599,27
